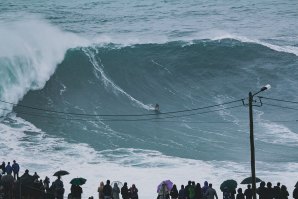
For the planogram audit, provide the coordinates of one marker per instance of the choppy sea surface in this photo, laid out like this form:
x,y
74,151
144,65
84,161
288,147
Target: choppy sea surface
x,y
79,81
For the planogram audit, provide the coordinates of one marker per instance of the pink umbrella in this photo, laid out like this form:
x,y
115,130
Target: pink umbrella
x,y
169,184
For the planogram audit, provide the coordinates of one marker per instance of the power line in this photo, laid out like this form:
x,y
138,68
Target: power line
x,y
284,107
280,100
118,115
125,120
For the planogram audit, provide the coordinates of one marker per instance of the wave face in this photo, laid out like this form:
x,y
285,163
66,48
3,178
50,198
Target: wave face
x,y
177,75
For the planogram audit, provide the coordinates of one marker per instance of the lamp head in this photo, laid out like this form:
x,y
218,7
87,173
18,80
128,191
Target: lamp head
x,y
266,87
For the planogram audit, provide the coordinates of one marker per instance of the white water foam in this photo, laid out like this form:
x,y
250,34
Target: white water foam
x,y
30,51
34,150
98,66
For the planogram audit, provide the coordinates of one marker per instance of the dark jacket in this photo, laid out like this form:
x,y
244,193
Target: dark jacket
x,y
107,190
124,192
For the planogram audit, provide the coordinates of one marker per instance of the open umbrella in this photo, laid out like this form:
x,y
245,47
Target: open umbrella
x,y
249,180
169,184
296,185
78,181
120,184
229,184
61,173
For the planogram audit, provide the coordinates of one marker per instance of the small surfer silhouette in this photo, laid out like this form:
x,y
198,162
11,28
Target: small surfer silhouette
x,y
156,108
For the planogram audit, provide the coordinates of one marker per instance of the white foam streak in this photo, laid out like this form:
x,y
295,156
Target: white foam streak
x,y
30,51
287,49
107,81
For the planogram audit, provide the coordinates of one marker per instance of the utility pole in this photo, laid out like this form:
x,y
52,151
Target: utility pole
x,y
252,143
252,146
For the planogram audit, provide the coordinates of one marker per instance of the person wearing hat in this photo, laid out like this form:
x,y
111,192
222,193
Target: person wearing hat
x,y
15,169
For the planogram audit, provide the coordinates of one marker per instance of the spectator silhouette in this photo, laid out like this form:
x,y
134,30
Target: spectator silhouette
x,y
192,190
15,169
240,195
124,191
116,191
58,188
198,191
204,189
76,192
269,191
261,191
295,191
277,191
107,190
174,192
182,194
248,192
100,190
187,189
163,192
8,168
211,193
133,192
284,192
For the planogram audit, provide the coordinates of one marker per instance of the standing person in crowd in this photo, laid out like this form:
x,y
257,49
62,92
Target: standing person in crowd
x,y
226,193
284,192
174,192
116,191
204,189
8,168
181,194
198,191
187,189
100,190
269,191
192,190
58,188
133,192
233,193
163,192
107,190
124,191
76,192
15,169
240,195
3,167
248,192
277,191
211,193
295,191
261,191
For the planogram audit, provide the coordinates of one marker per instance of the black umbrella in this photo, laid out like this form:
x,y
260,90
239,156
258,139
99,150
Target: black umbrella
x,y
249,180
61,173
78,181
229,184
296,184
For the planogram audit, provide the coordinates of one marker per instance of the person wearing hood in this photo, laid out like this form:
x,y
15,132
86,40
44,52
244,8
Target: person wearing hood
x,y
116,191
174,192
204,189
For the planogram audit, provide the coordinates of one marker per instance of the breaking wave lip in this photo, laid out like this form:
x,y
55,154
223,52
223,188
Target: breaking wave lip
x,y
29,54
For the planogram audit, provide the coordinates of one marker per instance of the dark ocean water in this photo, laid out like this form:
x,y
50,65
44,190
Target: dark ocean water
x,y
85,76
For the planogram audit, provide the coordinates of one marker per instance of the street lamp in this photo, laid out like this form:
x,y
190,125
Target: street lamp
x,y
252,144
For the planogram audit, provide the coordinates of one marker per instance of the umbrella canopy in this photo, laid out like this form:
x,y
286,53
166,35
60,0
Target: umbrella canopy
x,y
249,180
169,184
296,184
78,181
229,184
120,184
61,173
